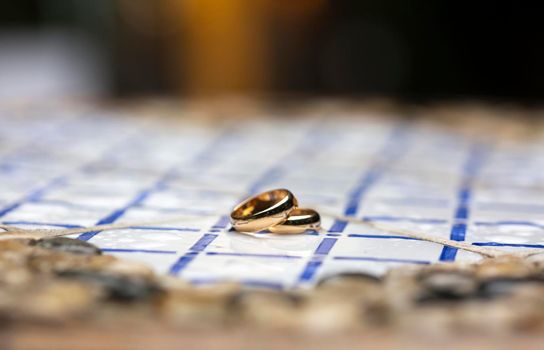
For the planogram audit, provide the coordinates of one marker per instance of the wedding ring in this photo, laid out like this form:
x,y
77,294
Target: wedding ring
x,y
263,210
299,220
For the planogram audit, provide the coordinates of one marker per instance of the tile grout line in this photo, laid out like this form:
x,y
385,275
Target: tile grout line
x,y
183,262
389,152
477,155
144,194
36,195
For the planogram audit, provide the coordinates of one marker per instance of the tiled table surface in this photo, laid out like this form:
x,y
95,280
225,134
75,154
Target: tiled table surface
x,y
80,166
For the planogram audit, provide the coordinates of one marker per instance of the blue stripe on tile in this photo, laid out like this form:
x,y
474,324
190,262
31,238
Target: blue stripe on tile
x,y
464,196
458,233
112,217
510,222
150,251
385,260
203,242
403,218
34,223
357,194
310,270
448,254
182,262
161,228
338,226
245,282
262,284
254,255
325,246
514,245
462,213
475,160
358,235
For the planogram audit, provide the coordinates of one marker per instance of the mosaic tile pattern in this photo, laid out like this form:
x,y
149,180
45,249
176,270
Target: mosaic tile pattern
x,y
80,166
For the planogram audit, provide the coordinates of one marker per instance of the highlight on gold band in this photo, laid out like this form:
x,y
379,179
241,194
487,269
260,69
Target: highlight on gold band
x,y
263,210
299,221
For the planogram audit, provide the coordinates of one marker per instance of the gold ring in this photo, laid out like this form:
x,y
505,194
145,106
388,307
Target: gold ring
x,y
299,220
263,210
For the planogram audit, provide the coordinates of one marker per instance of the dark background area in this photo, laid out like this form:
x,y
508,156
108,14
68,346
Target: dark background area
x,y
416,50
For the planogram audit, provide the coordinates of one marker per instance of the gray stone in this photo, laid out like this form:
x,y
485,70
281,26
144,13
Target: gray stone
x,y
116,287
447,285
68,245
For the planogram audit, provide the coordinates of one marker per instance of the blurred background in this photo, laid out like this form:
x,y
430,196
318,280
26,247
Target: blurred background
x,y
414,50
